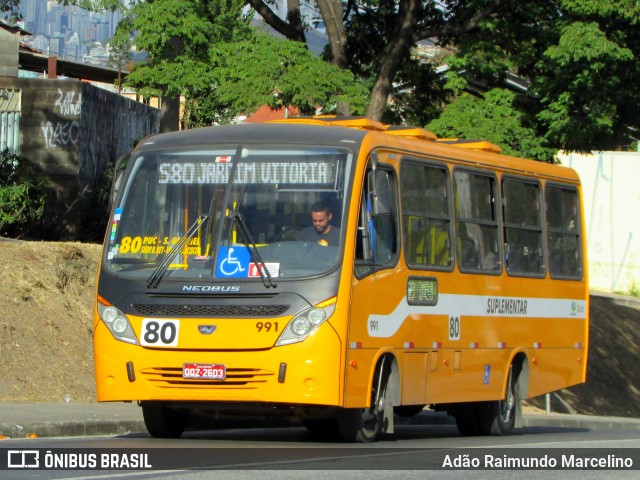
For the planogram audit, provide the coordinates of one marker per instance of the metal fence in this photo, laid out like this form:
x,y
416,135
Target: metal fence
x,y
10,119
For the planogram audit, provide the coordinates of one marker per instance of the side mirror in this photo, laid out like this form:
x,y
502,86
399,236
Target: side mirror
x,y
380,192
118,173
364,249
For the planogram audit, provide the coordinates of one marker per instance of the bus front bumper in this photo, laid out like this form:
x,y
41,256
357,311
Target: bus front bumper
x,y
305,373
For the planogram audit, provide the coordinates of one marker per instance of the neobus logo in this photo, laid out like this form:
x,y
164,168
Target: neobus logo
x,y
211,288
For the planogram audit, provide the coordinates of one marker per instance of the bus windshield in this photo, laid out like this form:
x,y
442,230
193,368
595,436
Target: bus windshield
x,y
229,212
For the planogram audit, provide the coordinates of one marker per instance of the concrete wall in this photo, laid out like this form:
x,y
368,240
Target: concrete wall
x,y
73,131
611,190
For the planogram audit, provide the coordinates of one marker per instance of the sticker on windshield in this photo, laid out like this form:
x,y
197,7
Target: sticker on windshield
x,y
272,267
114,227
157,245
233,262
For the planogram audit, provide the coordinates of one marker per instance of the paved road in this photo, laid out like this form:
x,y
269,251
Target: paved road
x,y
414,451
19,420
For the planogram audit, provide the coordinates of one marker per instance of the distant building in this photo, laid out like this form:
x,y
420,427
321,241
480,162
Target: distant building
x,y
41,43
73,49
53,20
426,50
56,46
265,113
91,34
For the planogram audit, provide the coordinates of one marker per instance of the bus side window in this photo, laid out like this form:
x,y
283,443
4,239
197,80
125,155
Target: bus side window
x,y
426,215
377,239
522,220
563,232
478,243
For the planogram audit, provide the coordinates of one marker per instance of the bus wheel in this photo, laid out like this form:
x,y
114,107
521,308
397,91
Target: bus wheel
x,y
162,421
363,425
499,417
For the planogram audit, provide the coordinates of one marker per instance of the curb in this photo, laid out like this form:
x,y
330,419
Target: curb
x,y
76,428
581,422
529,420
100,427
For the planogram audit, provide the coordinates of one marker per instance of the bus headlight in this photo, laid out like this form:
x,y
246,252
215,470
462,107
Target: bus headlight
x,y
109,314
117,323
120,325
316,316
305,323
301,326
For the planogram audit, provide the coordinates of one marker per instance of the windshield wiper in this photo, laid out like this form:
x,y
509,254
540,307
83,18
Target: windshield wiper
x,y
265,275
158,273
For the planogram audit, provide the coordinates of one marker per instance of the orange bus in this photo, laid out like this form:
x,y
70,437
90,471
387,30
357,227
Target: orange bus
x,y
339,271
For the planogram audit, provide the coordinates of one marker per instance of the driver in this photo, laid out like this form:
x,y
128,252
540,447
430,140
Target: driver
x,y
321,231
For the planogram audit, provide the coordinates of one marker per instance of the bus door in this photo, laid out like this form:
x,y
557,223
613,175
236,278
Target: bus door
x,y
377,287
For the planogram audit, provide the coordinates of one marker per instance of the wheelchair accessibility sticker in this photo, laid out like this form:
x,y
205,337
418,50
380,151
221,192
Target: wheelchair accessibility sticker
x,y
233,262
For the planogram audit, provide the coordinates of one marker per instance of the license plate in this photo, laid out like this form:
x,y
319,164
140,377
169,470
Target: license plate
x,y
205,371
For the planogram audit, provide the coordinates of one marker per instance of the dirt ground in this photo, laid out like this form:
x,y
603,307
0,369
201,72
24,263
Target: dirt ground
x,y
46,350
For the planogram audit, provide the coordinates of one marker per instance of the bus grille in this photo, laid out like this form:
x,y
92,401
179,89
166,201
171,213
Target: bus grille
x,y
168,377
211,310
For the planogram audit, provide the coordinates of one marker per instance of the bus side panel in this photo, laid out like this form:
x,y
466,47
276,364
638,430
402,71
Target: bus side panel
x,y
585,287
312,372
414,378
466,375
360,364
555,368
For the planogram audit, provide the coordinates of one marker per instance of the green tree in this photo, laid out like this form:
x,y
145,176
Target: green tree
x,y
208,52
11,8
382,32
398,25
265,70
120,58
21,195
578,57
492,118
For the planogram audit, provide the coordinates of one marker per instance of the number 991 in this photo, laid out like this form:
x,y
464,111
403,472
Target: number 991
x,y
267,326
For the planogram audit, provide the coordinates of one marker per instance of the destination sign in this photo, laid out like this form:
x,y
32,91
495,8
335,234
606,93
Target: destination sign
x,y
218,172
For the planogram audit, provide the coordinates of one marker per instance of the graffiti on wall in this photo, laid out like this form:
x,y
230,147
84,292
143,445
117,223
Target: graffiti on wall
x,y
65,131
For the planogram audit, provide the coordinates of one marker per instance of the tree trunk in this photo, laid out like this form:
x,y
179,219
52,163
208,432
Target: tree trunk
x,y
291,28
169,113
394,53
331,12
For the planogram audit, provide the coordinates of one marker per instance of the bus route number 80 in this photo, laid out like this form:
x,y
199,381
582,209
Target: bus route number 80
x,y
159,333
454,327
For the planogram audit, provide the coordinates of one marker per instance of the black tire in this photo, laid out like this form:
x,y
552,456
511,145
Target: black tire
x,y
363,425
164,422
499,417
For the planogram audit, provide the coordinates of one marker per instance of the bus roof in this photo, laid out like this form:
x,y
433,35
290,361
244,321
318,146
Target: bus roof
x,y
290,131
